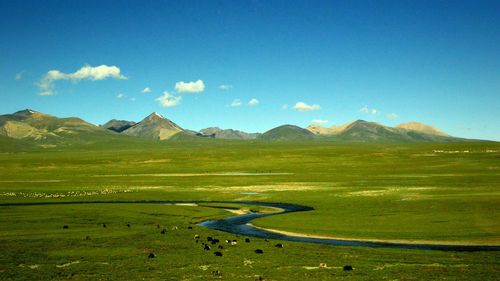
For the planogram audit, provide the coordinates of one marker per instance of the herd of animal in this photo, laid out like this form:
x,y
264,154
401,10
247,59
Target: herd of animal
x,y
215,243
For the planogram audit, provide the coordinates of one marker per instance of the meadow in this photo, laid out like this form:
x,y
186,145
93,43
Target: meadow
x,y
445,193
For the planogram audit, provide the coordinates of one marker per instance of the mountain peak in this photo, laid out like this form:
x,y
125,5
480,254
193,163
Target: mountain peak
x,y
25,112
155,116
118,125
360,121
219,133
154,126
287,132
423,128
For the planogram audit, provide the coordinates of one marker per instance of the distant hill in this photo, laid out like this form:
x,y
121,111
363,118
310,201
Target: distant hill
x,y
154,126
422,128
365,131
31,128
287,132
118,125
318,130
219,133
31,125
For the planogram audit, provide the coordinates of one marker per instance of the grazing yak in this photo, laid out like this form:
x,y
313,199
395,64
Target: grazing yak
x,y
279,245
152,255
259,251
247,240
218,254
206,248
164,231
347,267
65,227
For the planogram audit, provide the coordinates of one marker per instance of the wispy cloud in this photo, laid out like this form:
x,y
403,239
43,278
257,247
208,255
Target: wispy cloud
x,y
392,116
146,90
236,103
225,87
87,72
367,110
253,102
168,100
284,107
190,87
19,75
302,106
120,96
319,121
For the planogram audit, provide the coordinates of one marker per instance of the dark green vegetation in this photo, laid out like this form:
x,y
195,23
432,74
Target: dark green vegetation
x,y
438,192
35,246
287,132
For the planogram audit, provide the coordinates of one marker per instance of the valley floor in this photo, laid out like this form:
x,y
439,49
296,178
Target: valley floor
x,y
411,192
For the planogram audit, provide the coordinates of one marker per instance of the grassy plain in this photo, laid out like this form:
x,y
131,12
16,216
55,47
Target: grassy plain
x,y
440,192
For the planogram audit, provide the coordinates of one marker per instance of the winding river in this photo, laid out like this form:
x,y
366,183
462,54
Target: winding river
x,y
240,224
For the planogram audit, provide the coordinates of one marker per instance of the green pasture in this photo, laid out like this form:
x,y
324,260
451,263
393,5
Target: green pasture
x,y
443,193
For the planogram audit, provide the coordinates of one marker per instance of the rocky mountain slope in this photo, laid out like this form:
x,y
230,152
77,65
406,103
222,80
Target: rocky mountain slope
x,y
118,125
219,133
154,126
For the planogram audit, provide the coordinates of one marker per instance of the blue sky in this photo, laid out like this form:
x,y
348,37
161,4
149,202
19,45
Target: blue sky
x,y
436,62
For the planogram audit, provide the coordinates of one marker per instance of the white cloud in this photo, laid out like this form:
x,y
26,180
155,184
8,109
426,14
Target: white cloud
x,y
87,72
190,87
253,102
168,100
146,90
46,93
302,106
284,107
19,75
392,116
224,87
319,121
132,99
367,110
120,96
46,88
236,103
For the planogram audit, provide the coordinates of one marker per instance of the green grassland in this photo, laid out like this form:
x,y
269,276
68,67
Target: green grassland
x,y
438,192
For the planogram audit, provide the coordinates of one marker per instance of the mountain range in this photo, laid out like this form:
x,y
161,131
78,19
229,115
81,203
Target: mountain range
x,y
30,125
218,133
361,130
